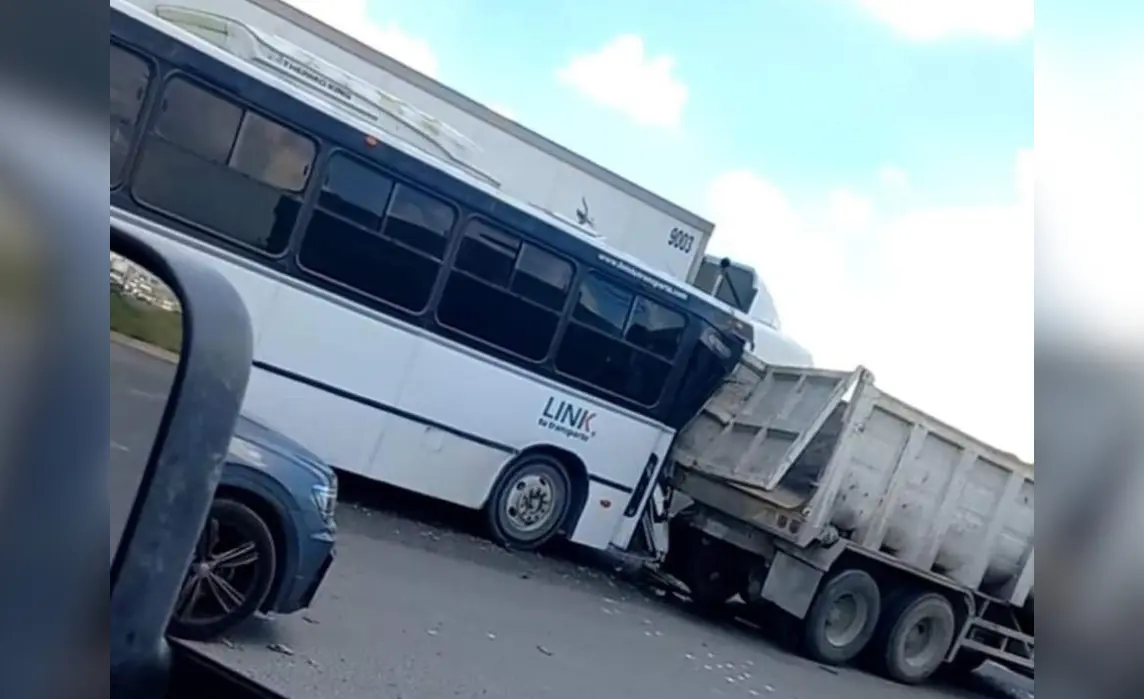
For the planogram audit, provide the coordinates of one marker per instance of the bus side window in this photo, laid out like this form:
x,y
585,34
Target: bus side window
x,y
703,374
375,236
213,164
506,292
614,343
655,328
273,154
129,77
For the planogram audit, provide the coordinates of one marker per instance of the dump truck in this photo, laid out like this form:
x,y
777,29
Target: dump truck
x,y
875,531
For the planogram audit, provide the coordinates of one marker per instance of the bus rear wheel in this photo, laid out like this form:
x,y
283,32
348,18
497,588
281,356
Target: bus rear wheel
x,y
529,503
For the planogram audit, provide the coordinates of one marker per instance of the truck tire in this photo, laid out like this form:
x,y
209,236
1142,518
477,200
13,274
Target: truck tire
x,y
842,618
708,576
914,636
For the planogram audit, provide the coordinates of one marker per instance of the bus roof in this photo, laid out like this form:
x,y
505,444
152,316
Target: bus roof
x,y
607,254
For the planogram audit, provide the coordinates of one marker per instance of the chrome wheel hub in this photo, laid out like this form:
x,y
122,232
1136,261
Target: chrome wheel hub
x,y
530,503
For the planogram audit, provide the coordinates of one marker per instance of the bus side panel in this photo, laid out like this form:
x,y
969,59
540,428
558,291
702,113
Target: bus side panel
x,y
652,496
598,524
463,429
504,409
436,461
344,367
343,432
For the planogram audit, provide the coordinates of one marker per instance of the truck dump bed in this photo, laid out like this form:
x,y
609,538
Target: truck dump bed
x,y
810,455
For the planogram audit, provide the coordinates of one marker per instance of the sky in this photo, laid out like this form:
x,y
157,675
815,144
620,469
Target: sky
x,y
872,159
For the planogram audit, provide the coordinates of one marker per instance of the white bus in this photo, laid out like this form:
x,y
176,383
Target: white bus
x,y
413,324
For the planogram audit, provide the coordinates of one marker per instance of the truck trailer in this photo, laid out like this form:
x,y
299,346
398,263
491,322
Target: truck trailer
x,y
874,529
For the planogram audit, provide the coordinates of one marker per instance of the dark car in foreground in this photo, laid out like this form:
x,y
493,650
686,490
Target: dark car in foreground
x,y
269,540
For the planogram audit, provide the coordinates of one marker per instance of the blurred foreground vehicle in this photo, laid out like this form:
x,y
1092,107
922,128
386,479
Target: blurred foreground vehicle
x,y
269,538
187,490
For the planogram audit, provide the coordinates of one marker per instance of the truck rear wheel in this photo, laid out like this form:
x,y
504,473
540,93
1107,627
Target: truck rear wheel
x,y
914,636
711,583
705,565
842,617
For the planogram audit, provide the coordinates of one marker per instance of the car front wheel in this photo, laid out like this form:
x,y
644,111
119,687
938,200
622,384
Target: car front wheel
x,y
230,575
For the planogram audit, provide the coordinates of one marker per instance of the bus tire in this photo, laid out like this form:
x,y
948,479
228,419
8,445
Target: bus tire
x,y
842,618
914,636
529,502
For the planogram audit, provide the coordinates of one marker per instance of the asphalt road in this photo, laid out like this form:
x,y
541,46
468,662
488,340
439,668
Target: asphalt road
x,y
139,387
419,606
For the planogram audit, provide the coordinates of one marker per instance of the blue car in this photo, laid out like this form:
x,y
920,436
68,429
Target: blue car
x,y
269,540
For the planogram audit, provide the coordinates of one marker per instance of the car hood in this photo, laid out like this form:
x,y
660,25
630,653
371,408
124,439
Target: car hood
x,y
267,438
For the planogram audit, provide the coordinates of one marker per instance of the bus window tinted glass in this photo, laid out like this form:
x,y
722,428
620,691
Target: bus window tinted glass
x,y
497,317
488,253
183,171
611,365
486,299
704,373
420,221
542,277
355,193
655,328
603,306
222,201
199,121
129,78
389,260
272,153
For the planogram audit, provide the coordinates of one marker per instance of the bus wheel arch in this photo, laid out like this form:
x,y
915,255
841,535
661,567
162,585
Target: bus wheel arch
x,y
540,482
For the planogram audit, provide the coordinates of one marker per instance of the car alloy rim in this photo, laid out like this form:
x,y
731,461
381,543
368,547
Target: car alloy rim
x,y
221,576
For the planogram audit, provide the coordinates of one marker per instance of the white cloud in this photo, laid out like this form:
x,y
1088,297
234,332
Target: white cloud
x,y
894,179
937,302
352,17
849,211
804,270
623,77
931,20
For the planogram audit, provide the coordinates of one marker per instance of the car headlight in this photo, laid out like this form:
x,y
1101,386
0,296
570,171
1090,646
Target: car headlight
x,y
326,499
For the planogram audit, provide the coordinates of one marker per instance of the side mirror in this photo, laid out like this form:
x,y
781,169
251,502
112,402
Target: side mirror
x,y
181,349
